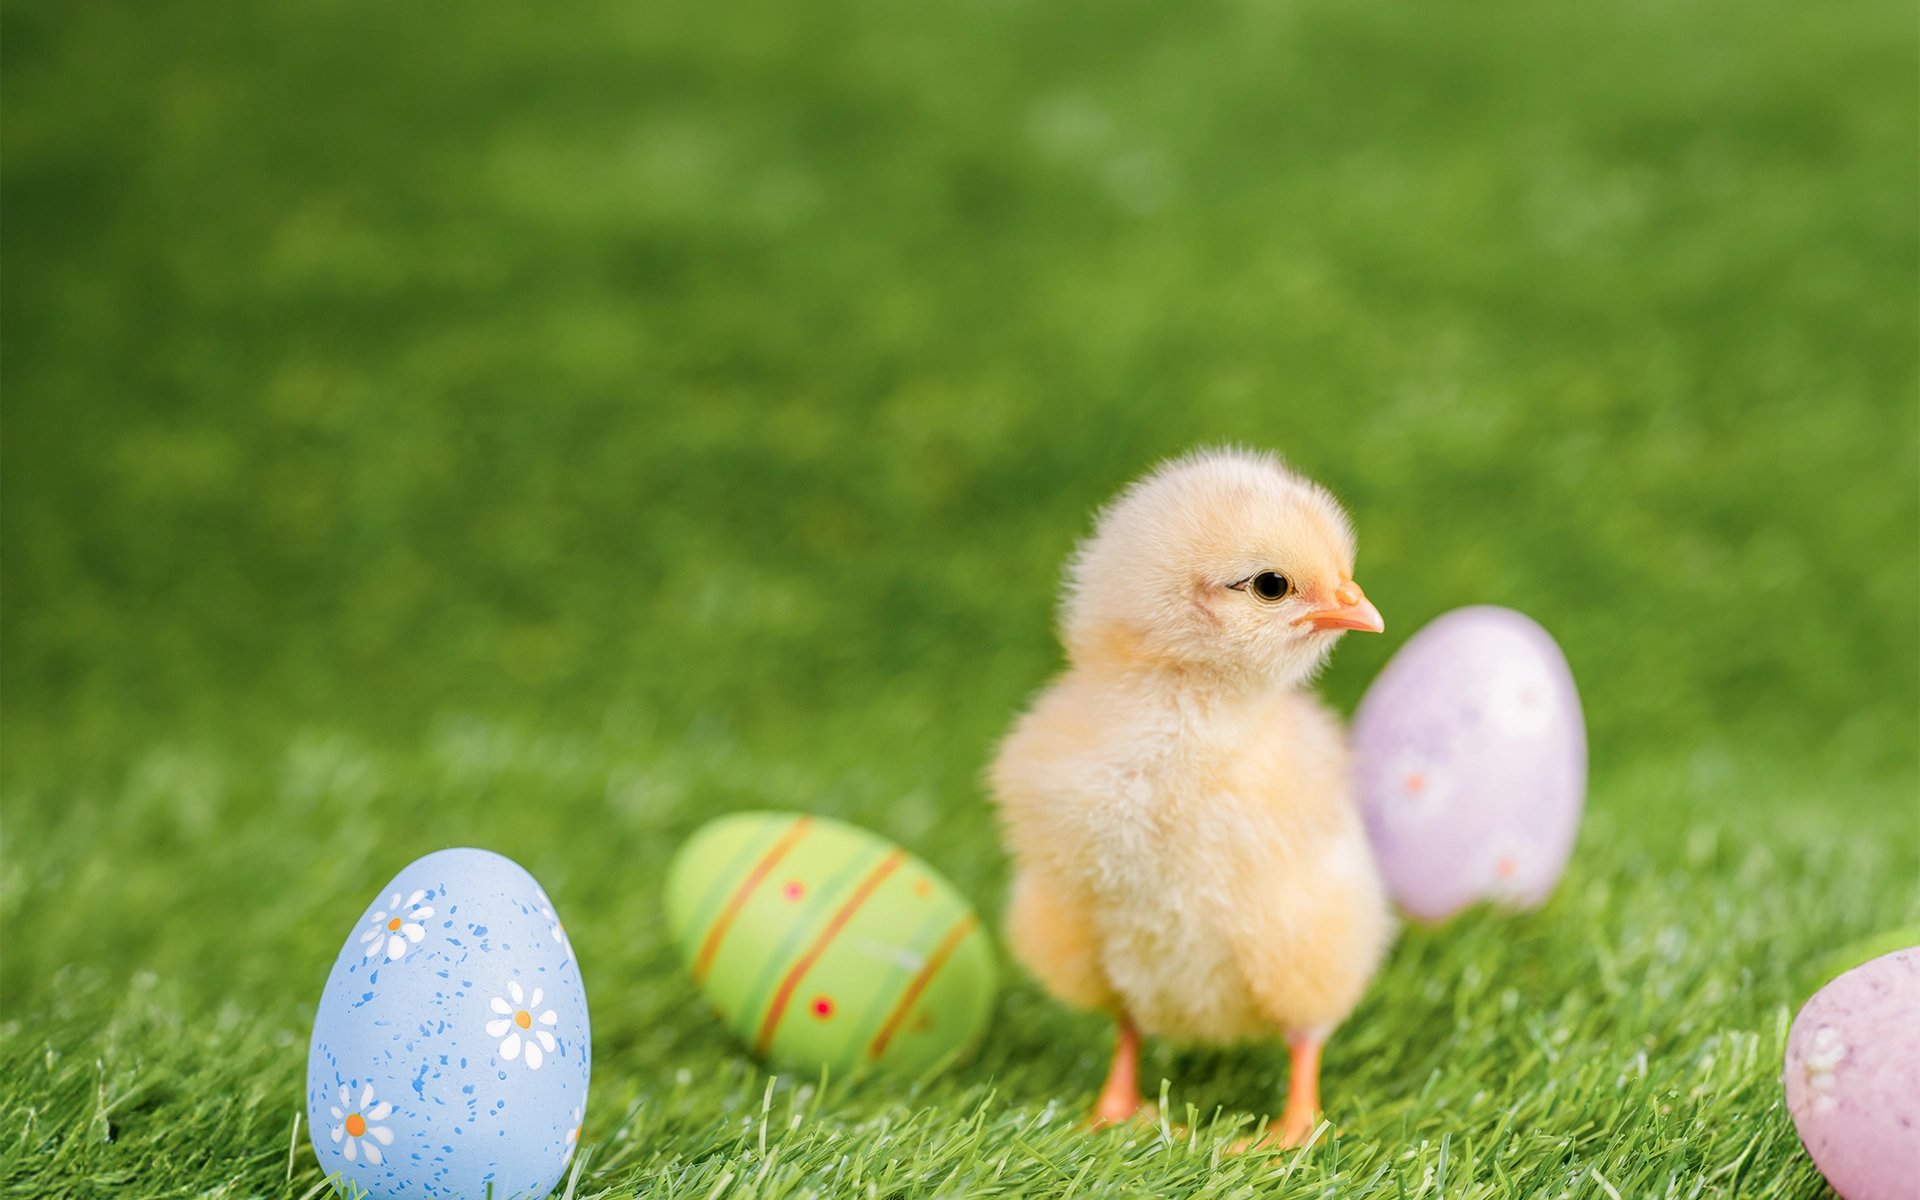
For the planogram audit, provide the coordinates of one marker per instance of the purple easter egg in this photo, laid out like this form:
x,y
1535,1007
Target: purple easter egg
x,y
1853,1079
1470,763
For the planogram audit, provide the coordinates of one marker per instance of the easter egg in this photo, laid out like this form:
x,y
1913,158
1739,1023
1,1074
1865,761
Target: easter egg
x,y
820,943
1838,962
1470,764
450,1047
1853,1079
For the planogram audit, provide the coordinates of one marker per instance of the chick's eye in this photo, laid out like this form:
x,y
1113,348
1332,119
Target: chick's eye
x,y
1270,585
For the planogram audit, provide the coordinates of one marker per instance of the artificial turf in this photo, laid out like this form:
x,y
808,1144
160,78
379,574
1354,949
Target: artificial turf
x,y
544,427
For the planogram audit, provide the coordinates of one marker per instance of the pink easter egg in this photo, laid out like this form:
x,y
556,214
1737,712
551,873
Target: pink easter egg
x,y
1853,1079
1470,764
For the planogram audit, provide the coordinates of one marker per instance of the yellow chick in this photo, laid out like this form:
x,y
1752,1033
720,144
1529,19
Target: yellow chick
x,y
1187,853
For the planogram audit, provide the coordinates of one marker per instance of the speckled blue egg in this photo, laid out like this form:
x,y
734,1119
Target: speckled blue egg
x,y
450,1048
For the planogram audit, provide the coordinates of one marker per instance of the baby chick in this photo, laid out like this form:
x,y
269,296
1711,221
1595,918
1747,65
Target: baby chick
x,y
1187,854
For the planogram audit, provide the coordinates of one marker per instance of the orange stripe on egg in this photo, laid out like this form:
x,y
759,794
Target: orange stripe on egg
x,y
780,998
964,926
768,861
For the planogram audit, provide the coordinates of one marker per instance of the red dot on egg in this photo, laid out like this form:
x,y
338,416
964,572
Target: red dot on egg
x,y
922,887
822,1007
1506,866
1415,782
794,890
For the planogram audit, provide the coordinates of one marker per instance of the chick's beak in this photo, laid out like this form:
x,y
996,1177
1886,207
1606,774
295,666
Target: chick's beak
x,y
1351,610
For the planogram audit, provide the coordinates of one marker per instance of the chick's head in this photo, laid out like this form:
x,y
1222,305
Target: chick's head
x,y
1222,560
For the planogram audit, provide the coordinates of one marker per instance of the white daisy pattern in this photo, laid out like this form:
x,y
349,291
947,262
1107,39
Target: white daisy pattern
x,y
1420,788
515,1015
1520,699
356,1134
397,927
556,930
1506,868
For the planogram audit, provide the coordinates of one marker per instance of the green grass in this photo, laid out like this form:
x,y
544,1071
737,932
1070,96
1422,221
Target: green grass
x,y
545,428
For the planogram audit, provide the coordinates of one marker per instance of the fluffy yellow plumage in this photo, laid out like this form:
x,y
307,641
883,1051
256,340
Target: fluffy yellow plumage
x,y
1187,853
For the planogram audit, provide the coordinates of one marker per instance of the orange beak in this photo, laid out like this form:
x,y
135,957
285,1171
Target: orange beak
x,y
1352,610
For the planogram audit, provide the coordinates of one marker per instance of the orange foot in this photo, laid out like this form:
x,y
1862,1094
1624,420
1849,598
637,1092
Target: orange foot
x,y
1302,1113
1285,1134
1108,1112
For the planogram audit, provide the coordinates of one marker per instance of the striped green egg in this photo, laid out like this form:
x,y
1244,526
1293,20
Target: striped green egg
x,y
820,943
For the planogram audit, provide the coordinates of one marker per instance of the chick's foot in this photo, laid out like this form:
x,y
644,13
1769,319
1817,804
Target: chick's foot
x,y
1284,1134
1302,1113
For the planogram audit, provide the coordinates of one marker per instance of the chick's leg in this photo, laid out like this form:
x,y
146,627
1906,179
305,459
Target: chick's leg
x,y
1120,1100
1303,1098
1303,1091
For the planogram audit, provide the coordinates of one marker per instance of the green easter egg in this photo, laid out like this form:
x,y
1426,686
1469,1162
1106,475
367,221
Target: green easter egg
x,y
820,943
1839,962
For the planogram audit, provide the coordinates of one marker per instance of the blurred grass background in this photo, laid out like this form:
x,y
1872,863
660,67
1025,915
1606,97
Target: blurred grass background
x,y
544,428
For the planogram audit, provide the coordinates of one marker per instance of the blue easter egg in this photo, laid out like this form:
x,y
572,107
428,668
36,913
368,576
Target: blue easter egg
x,y
450,1049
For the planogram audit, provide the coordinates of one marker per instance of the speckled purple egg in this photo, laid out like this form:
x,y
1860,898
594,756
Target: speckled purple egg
x,y
451,1049
1470,764
1853,1079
